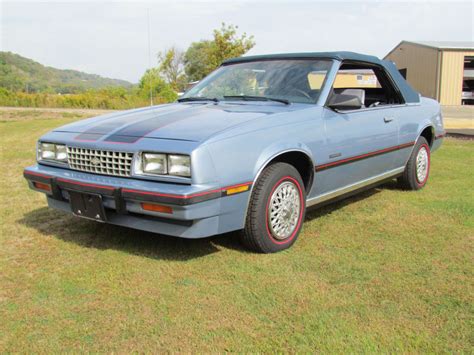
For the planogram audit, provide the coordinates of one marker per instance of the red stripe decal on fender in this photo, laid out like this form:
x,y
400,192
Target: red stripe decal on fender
x,y
362,156
197,194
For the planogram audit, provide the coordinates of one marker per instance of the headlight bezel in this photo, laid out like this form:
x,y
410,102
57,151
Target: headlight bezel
x,y
139,165
54,159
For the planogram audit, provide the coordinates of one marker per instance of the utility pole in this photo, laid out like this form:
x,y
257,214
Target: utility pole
x,y
149,59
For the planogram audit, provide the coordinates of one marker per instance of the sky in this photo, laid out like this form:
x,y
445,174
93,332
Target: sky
x,y
111,38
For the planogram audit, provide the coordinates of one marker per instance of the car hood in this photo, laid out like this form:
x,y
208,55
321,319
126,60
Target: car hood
x,y
177,121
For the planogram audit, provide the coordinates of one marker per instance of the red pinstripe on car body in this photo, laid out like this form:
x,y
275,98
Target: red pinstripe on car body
x,y
362,156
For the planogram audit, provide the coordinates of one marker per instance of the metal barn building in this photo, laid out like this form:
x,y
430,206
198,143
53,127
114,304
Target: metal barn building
x,y
440,70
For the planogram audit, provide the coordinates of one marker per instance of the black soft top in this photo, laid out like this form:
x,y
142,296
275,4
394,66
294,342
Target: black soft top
x,y
410,95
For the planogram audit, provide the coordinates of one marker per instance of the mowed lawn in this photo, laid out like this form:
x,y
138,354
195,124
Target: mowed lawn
x,y
386,271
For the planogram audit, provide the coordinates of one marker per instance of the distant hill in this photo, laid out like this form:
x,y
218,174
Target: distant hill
x,y
18,73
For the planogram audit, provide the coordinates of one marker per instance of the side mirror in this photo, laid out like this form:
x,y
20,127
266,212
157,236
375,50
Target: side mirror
x,y
345,102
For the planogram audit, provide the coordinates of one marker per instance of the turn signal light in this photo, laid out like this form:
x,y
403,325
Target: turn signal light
x,y
156,208
41,186
235,190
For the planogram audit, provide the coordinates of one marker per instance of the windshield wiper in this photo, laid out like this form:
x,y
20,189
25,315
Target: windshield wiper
x,y
256,98
198,98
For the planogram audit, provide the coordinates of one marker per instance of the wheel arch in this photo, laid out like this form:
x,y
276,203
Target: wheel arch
x,y
299,157
428,132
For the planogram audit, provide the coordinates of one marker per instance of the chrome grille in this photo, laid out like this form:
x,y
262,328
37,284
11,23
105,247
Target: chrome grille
x,y
100,161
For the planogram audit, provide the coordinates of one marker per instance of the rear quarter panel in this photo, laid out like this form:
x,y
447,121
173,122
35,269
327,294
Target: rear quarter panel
x,y
413,119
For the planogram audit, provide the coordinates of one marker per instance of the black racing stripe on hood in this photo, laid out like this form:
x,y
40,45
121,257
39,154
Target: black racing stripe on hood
x,y
122,139
110,124
102,129
138,130
90,137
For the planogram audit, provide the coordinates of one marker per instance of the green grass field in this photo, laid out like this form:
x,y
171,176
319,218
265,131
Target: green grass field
x,y
387,271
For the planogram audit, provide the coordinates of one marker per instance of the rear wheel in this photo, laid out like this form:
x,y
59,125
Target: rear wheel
x,y
276,210
417,169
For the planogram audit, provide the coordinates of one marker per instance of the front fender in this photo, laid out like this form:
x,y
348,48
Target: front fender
x,y
276,149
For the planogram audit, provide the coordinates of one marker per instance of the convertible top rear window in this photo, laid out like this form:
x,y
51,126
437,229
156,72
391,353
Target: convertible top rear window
x,y
292,80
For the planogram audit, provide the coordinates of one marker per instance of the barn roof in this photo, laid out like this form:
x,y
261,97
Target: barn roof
x,y
457,45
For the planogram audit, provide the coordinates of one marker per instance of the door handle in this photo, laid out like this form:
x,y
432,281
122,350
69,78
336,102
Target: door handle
x,y
388,119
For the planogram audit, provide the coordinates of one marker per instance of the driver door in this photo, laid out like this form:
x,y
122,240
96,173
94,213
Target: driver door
x,y
361,143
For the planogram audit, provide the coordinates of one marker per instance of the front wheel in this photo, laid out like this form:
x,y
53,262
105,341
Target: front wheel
x,y
276,210
417,169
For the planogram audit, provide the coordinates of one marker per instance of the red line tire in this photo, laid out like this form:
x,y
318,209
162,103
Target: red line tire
x,y
418,167
276,210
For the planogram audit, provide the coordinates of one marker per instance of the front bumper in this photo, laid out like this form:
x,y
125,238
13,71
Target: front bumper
x,y
197,210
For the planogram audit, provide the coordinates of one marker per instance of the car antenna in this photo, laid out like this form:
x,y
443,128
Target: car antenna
x,y
149,58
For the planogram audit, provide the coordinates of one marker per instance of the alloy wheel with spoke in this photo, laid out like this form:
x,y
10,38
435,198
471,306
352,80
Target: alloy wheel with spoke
x,y
284,210
422,165
276,209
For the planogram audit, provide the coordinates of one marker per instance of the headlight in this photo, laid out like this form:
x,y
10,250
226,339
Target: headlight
x,y
163,164
154,163
179,165
61,152
52,152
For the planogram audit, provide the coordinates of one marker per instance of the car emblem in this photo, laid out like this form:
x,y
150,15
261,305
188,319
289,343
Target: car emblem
x,y
95,161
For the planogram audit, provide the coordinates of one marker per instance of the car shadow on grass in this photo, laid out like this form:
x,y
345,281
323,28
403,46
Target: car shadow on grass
x,y
89,234
331,206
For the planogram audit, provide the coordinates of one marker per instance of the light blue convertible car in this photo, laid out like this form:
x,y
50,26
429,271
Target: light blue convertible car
x,y
249,148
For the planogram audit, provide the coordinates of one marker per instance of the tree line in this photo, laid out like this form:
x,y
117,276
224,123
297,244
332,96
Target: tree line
x,y
174,71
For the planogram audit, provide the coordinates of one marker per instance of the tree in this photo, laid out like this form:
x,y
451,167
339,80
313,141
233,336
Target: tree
x,y
204,56
171,67
160,90
196,60
228,45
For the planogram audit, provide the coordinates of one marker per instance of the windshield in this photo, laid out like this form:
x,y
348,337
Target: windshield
x,y
297,81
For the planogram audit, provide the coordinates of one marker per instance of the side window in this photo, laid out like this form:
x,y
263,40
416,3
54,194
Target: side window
x,y
369,83
356,79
